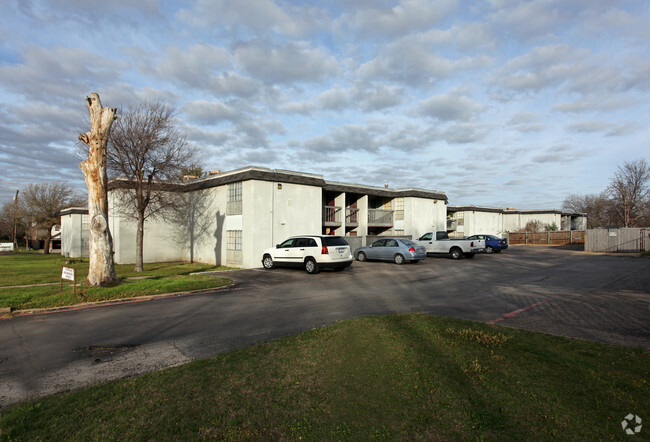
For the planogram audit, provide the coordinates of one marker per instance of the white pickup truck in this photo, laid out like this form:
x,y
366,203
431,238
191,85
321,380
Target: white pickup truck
x,y
439,242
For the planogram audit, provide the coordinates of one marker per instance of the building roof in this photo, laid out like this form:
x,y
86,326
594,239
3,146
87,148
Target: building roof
x,y
471,208
285,176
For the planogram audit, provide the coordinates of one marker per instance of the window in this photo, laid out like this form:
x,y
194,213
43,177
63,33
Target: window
x,y
234,206
234,240
334,241
234,191
399,208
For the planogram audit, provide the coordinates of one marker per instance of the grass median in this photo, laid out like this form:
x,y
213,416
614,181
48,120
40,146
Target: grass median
x,y
396,377
35,269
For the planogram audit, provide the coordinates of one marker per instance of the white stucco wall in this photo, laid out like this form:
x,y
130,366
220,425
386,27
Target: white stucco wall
x,y
422,215
514,221
271,215
71,235
477,222
159,244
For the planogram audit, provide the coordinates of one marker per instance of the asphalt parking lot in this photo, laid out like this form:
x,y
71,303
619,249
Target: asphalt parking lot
x,y
551,290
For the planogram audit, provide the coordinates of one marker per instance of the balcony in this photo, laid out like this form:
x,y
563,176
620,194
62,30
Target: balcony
x,y
380,218
331,216
351,217
451,224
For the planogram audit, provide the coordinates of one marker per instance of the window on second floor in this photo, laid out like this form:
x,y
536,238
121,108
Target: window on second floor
x,y
234,206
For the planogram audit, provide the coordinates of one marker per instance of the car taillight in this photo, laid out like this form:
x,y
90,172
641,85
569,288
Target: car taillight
x,y
499,243
324,251
412,249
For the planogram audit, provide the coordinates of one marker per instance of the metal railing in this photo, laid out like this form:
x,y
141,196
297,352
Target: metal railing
x,y
351,216
380,217
331,216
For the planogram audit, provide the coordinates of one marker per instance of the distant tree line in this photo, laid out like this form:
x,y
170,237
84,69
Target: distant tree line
x,y
28,220
624,203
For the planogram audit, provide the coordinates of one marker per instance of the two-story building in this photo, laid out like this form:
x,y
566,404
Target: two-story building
x,y
230,218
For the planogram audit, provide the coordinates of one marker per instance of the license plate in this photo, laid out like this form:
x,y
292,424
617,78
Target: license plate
x,y
341,250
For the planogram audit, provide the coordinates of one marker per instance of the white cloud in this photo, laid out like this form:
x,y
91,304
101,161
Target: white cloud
x,y
396,20
416,65
254,16
192,66
286,64
451,107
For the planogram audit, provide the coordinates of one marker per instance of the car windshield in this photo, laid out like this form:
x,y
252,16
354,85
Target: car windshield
x,y
334,241
407,242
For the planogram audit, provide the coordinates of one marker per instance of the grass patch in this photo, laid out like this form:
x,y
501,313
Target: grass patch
x,y
24,269
395,377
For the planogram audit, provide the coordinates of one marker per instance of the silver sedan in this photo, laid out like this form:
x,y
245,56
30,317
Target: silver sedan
x,y
398,250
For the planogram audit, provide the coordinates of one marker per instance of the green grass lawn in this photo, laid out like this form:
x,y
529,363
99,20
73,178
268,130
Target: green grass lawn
x,y
34,268
396,377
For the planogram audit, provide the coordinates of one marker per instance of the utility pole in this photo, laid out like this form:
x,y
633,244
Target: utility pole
x,y
15,213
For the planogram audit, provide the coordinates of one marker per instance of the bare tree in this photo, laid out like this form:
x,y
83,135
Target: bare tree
x,y
101,269
146,150
42,203
629,190
598,208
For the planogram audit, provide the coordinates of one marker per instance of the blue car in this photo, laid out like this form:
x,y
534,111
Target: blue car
x,y
493,244
398,250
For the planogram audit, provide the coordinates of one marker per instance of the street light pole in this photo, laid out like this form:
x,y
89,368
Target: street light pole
x,y
15,213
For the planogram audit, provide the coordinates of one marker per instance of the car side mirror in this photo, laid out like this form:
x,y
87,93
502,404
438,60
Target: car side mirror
x,y
277,246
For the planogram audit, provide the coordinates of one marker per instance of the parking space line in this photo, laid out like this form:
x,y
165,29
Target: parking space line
x,y
517,312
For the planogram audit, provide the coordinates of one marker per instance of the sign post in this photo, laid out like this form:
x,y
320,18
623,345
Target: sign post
x,y
69,274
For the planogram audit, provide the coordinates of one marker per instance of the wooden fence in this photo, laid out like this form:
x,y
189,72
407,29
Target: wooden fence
x,y
557,238
618,240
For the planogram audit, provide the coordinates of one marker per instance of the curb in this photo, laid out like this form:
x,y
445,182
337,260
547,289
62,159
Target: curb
x,y
7,313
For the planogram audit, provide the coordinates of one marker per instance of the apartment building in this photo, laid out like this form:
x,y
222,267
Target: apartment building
x,y
472,220
230,218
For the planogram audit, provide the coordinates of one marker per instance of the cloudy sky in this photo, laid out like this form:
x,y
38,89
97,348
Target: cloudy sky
x,y
498,103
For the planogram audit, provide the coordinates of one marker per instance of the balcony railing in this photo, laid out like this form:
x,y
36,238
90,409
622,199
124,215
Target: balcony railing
x,y
380,217
351,216
331,216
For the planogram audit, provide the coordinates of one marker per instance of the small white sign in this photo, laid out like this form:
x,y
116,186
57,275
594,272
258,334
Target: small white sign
x,y
67,273
6,247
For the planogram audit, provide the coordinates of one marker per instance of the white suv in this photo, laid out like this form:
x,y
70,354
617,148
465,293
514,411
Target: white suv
x,y
312,252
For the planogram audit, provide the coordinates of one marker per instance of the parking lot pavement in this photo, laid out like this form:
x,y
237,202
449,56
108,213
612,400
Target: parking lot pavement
x,y
599,297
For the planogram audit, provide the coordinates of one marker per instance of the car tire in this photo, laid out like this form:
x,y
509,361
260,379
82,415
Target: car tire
x,y
267,262
399,259
311,266
489,250
361,257
455,253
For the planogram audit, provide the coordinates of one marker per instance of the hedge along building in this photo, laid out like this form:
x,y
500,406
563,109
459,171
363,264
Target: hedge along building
x,y
471,220
230,218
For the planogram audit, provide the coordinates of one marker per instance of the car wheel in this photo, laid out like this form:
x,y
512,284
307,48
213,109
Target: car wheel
x,y
267,262
489,249
362,257
311,266
456,253
399,259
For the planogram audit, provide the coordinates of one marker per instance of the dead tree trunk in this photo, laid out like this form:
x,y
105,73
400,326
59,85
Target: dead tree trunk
x,y
101,269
